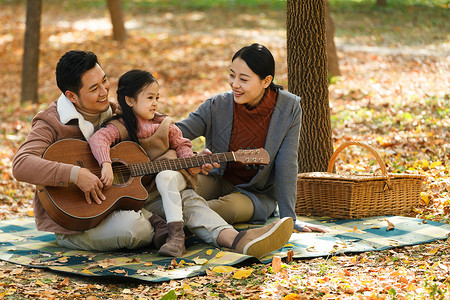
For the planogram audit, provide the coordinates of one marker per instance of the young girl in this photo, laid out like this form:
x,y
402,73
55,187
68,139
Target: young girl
x,y
138,96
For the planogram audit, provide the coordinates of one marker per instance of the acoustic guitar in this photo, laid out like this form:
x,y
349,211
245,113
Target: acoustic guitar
x,y
67,206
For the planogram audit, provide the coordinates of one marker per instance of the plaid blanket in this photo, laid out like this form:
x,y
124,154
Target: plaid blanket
x,y
21,243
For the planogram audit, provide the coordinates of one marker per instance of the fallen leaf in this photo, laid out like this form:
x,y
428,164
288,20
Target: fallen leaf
x,y
220,254
390,226
200,261
86,271
171,295
276,264
290,256
223,269
209,252
432,251
242,273
63,283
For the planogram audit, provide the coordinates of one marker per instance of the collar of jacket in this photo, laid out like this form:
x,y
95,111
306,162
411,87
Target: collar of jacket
x,y
67,112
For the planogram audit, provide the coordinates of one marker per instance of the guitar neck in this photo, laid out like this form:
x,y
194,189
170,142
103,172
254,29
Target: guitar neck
x,y
147,168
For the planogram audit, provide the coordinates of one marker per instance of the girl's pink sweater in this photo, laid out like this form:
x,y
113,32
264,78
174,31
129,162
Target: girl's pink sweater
x,y
105,137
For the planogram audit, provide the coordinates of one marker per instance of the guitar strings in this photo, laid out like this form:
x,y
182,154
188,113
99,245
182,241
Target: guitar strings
x,y
136,169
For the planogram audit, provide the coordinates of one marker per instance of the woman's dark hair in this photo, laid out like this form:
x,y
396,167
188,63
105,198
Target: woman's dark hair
x,y
260,61
131,84
71,66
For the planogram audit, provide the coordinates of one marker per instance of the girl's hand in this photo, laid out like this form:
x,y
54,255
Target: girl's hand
x,y
107,174
194,171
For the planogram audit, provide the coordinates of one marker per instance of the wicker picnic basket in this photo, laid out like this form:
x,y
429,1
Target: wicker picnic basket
x,y
356,196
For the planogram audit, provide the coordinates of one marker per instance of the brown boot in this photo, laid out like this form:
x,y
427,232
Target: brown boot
x,y
161,230
175,242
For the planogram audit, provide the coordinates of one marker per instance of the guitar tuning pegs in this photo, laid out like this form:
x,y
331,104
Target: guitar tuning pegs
x,y
255,167
248,168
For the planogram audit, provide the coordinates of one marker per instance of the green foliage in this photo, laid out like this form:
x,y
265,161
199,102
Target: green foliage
x,y
171,295
411,22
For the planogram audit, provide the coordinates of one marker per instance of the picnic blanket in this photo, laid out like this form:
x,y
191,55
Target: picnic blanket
x,y
21,243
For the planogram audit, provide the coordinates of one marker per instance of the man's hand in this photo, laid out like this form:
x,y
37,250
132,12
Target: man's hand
x,y
107,174
306,227
206,168
91,186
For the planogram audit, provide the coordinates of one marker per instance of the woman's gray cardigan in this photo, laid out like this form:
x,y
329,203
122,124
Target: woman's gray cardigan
x,y
276,182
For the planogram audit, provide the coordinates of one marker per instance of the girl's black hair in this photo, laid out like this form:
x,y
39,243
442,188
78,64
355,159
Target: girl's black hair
x,y
260,61
131,84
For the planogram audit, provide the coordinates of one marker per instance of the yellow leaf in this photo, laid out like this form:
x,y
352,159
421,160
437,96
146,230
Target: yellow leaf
x,y
289,245
292,297
63,259
356,230
200,261
425,198
87,272
242,273
187,287
31,213
435,164
223,269
220,254
38,282
432,251
209,252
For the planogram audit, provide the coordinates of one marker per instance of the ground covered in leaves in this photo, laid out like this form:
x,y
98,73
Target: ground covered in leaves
x,y
393,94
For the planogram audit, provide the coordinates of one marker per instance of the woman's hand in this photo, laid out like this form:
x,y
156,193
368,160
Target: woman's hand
x,y
307,227
206,168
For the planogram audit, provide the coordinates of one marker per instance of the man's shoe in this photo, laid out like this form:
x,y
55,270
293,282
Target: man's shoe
x,y
258,242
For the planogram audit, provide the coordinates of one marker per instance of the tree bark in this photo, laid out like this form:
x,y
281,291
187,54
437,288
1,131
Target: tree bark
x,y
307,77
30,62
116,13
333,60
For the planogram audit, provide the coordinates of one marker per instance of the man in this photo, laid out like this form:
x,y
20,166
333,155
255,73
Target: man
x,y
78,112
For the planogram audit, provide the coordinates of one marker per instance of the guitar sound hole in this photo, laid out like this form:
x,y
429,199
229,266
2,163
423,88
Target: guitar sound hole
x,y
121,172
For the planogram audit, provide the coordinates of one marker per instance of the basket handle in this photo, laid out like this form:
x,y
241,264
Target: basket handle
x,y
364,145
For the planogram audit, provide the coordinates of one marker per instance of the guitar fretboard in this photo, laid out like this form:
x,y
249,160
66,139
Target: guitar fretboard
x,y
146,168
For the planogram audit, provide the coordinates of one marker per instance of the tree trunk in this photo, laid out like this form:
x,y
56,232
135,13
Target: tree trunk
x,y
307,77
381,2
115,10
333,60
30,62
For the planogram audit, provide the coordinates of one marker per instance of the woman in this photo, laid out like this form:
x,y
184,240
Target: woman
x,y
256,113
